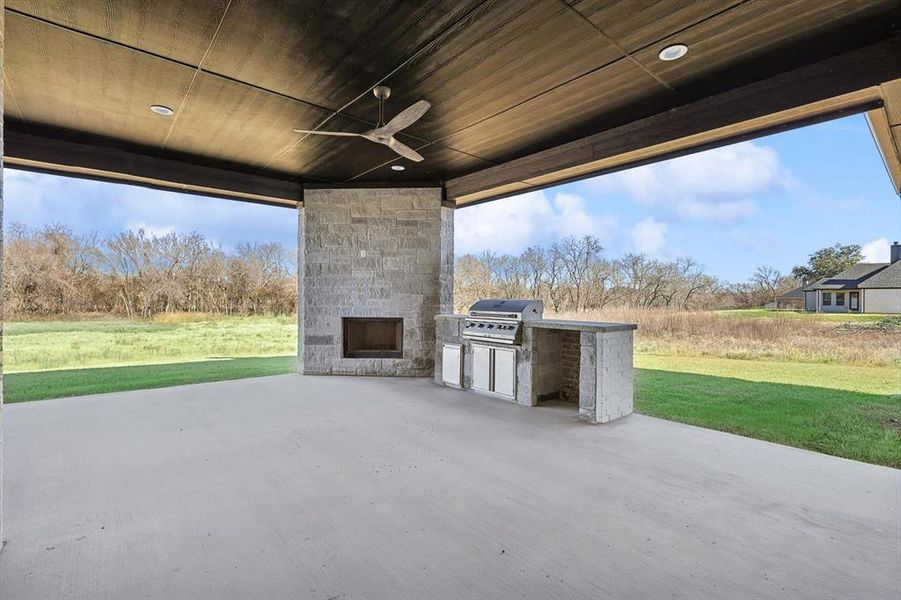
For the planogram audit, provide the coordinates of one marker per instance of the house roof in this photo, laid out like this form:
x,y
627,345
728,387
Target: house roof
x,y
889,277
851,278
798,292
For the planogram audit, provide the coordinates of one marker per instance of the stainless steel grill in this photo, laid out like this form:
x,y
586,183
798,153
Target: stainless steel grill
x,y
500,321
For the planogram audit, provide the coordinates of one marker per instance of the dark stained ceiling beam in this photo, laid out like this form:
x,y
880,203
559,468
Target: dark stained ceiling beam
x,y
838,85
885,124
52,151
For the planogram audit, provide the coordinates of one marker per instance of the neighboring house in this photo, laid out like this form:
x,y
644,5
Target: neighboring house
x,y
793,299
862,288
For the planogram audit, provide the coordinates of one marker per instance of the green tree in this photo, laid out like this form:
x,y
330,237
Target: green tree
x,y
828,262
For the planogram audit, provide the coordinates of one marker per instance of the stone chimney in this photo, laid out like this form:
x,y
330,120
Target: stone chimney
x,y
896,252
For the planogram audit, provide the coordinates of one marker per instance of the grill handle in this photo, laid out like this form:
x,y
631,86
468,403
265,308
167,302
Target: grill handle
x,y
493,315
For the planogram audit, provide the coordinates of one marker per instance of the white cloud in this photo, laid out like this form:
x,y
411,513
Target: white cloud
x,y
716,185
877,251
512,224
649,237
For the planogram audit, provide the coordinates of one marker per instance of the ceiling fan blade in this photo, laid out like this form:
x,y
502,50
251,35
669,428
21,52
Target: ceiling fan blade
x,y
404,150
339,133
406,117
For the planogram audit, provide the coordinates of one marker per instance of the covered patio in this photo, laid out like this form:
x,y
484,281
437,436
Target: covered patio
x,y
345,487
342,487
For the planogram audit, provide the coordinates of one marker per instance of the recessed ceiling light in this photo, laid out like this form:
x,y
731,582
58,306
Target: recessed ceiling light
x,y
162,110
674,52
397,167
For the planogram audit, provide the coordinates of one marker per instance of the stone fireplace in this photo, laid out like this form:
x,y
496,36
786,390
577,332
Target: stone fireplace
x,y
374,268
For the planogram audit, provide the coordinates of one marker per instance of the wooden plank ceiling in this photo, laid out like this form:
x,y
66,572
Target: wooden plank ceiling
x,y
507,79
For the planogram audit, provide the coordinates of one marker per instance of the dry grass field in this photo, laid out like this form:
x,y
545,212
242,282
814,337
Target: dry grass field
x,y
865,340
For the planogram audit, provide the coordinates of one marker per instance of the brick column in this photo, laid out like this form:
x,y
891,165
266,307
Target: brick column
x,y
570,364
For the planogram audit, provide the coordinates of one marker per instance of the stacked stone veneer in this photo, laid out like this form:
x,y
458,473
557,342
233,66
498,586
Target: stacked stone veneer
x,y
605,376
372,253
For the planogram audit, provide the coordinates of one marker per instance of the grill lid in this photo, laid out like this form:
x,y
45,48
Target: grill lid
x,y
525,310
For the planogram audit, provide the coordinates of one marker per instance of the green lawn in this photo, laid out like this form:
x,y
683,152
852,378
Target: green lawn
x,y
42,385
848,411
53,359
43,345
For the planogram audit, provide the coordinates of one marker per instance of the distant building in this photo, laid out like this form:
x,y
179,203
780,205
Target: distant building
x,y
791,300
862,288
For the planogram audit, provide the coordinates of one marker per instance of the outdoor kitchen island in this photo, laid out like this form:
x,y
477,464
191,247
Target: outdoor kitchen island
x,y
583,362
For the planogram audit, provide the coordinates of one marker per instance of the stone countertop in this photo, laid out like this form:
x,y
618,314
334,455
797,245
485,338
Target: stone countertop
x,y
596,326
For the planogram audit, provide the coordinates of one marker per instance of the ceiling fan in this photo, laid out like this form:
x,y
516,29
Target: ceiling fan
x,y
384,132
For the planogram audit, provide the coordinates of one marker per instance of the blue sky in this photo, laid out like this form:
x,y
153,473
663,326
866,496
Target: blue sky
x,y
769,201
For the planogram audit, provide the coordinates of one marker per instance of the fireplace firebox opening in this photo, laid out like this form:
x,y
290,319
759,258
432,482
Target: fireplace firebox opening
x,y
369,337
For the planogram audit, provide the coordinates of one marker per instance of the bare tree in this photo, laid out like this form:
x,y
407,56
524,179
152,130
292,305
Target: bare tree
x,y
556,289
571,275
767,279
578,255
52,271
535,263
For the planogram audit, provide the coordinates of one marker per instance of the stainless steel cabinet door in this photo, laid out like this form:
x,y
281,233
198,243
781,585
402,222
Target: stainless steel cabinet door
x,y
505,371
481,368
452,364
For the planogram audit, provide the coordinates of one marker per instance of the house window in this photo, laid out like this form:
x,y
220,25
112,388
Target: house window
x,y
839,299
827,298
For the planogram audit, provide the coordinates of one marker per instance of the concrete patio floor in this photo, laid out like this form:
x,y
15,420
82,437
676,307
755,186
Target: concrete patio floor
x,y
332,487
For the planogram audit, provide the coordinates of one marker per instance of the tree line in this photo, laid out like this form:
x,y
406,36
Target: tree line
x,y
573,275
52,271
